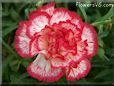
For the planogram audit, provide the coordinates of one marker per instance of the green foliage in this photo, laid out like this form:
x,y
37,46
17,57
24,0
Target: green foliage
x,y
14,67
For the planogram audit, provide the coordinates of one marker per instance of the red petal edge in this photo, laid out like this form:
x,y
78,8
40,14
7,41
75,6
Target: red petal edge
x,y
49,8
20,39
37,23
90,35
41,70
78,72
60,14
76,19
33,47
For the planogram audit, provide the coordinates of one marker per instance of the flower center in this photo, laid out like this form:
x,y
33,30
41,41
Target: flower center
x,y
60,42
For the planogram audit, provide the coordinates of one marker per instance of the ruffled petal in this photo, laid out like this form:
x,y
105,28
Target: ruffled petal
x,y
81,52
69,26
77,71
42,43
76,19
33,47
60,14
41,69
22,40
37,23
89,34
58,61
49,8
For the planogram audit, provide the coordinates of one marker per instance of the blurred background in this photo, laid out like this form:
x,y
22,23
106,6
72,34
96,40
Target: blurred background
x,y
102,18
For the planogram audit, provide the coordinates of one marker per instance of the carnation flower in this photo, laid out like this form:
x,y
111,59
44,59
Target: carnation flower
x,y
61,42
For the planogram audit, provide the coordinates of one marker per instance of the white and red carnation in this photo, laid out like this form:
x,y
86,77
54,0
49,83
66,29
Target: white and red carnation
x,y
62,43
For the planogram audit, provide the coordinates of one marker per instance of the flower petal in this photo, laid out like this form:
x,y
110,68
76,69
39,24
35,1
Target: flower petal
x,y
22,40
60,14
49,8
81,52
42,43
90,35
68,25
79,71
78,23
41,69
37,23
33,47
58,62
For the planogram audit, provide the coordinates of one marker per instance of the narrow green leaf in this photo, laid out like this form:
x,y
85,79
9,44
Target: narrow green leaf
x,y
84,13
101,53
106,58
20,6
103,73
103,34
25,63
39,3
19,63
26,12
113,19
9,48
13,65
24,75
100,42
15,16
100,28
14,79
7,60
6,73
8,30
65,5
5,14
101,22
107,16
7,23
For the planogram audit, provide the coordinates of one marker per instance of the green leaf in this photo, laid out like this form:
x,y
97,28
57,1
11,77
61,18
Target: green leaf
x,y
113,19
24,75
20,6
14,79
25,63
39,3
107,16
5,14
7,23
100,28
103,73
14,65
19,63
15,16
100,42
84,13
6,73
101,53
9,29
106,58
7,60
102,34
27,12
9,49
101,22
65,5
105,19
